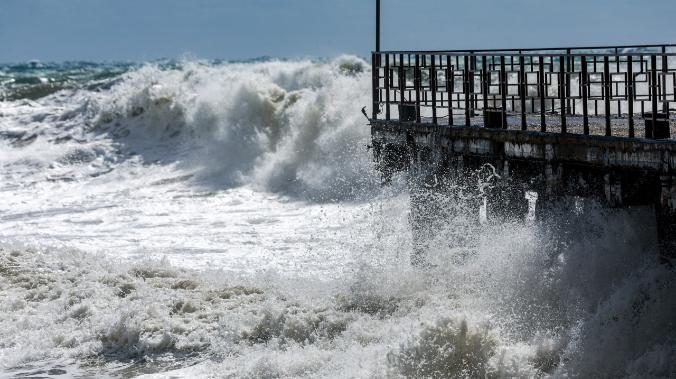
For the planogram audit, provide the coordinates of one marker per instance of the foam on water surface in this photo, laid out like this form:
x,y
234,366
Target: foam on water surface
x,y
205,219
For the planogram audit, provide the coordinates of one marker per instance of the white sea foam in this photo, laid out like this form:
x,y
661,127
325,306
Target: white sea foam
x,y
225,220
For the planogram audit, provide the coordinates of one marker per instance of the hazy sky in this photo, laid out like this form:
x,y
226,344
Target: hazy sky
x,y
57,30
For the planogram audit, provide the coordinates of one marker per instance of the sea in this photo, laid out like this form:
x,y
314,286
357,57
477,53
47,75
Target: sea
x,y
216,219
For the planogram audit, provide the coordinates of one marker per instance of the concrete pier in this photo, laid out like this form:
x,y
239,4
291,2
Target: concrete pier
x,y
588,123
616,171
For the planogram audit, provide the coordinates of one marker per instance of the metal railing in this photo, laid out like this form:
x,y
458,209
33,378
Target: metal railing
x,y
602,90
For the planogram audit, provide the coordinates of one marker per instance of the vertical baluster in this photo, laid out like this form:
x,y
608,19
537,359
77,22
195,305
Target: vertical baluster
x,y
532,70
467,91
457,97
523,91
617,85
617,89
503,91
475,100
607,89
653,91
387,87
665,72
563,90
570,63
584,80
643,72
543,92
630,94
596,102
551,70
416,85
402,82
433,87
449,89
485,78
511,69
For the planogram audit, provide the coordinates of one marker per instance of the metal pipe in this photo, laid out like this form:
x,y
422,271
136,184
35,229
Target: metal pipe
x,y
545,49
653,91
377,25
665,72
449,89
433,88
584,79
387,87
374,83
485,78
467,90
523,91
630,95
563,91
503,92
416,76
608,93
543,93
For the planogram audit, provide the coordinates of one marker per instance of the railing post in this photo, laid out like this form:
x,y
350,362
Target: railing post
x,y
630,94
543,93
468,92
608,92
472,67
402,82
449,88
584,82
563,90
570,60
653,91
433,87
523,89
485,77
665,72
387,87
503,91
416,76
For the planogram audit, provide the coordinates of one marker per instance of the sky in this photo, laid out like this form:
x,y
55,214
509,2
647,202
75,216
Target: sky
x,y
139,30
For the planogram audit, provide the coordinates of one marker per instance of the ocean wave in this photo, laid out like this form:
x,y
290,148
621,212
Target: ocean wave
x,y
513,304
145,163
284,126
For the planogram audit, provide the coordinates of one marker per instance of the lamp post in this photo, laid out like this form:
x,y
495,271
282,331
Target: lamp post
x,y
375,64
377,25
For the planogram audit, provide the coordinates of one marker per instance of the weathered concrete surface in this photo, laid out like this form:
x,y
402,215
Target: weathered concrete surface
x,y
601,151
619,171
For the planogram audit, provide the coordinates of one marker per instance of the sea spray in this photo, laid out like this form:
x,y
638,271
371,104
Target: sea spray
x,y
225,219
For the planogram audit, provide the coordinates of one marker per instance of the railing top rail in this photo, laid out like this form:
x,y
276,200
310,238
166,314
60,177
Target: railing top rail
x,y
550,54
565,49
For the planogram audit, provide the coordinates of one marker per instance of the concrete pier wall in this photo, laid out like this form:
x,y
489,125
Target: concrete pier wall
x,y
615,171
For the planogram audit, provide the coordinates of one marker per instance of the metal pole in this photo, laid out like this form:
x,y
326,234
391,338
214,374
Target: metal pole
x,y
607,92
665,72
543,94
375,82
584,79
523,91
563,92
377,25
630,94
653,92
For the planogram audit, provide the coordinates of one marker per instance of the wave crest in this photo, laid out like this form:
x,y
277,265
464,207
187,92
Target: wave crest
x,y
293,127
